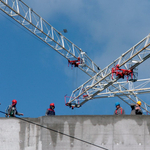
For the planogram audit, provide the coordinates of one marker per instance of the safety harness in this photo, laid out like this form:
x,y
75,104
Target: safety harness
x,y
118,109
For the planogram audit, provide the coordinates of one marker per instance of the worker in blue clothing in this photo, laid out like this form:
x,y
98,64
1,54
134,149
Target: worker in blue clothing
x,y
50,111
119,110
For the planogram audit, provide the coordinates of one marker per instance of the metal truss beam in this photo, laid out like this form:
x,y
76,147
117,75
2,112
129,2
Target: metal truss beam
x,y
141,86
34,23
103,79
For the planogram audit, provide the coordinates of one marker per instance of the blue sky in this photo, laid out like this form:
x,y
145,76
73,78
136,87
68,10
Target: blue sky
x,y
36,75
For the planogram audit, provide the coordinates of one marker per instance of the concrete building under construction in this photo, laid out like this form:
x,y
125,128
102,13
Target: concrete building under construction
x,y
75,133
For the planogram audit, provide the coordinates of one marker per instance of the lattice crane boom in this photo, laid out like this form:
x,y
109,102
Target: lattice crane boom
x,y
128,92
103,79
123,91
141,86
100,79
34,23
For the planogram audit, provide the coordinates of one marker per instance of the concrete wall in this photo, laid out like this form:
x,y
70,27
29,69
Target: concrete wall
x,y
111,132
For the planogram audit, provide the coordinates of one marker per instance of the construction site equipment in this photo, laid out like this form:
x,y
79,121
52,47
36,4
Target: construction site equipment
x,y
101,80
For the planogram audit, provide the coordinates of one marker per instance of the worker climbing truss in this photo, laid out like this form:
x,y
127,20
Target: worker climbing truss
x,y
101,82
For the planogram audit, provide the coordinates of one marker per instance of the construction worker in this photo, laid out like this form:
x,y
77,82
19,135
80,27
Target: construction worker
x,y
50,111
132,109
138,110
12,110
119,110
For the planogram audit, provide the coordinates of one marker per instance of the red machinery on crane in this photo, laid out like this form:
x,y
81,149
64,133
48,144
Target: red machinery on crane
x,y
121,73
75,63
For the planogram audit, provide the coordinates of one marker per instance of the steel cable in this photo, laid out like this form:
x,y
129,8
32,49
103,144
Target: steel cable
x,y
57,132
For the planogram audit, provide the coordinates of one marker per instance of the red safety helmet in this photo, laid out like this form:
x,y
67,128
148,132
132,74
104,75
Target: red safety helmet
x,y
52,104
14,102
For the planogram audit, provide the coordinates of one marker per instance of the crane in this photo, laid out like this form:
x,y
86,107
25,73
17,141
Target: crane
x,y
103,80
100,80
29,19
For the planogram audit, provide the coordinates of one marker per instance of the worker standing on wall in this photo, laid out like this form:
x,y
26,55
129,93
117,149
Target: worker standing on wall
x,y
50,111
132,109
12,110
119,110
138,110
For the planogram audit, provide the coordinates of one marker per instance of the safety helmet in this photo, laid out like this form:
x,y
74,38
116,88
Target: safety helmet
x,y
117,103
14,102
52,105
139,103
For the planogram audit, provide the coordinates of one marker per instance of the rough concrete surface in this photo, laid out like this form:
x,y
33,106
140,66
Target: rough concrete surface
x,y
111,132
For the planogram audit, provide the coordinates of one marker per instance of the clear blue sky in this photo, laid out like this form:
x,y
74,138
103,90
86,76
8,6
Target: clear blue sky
x,y
36,75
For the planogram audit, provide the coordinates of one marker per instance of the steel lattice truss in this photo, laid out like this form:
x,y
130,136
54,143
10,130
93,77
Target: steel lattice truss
x,y
92,88
128,92
141,86
29,19
100,81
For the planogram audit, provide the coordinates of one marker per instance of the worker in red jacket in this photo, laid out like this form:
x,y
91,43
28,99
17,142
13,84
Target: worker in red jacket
x,y
50,111
119,110
12,110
